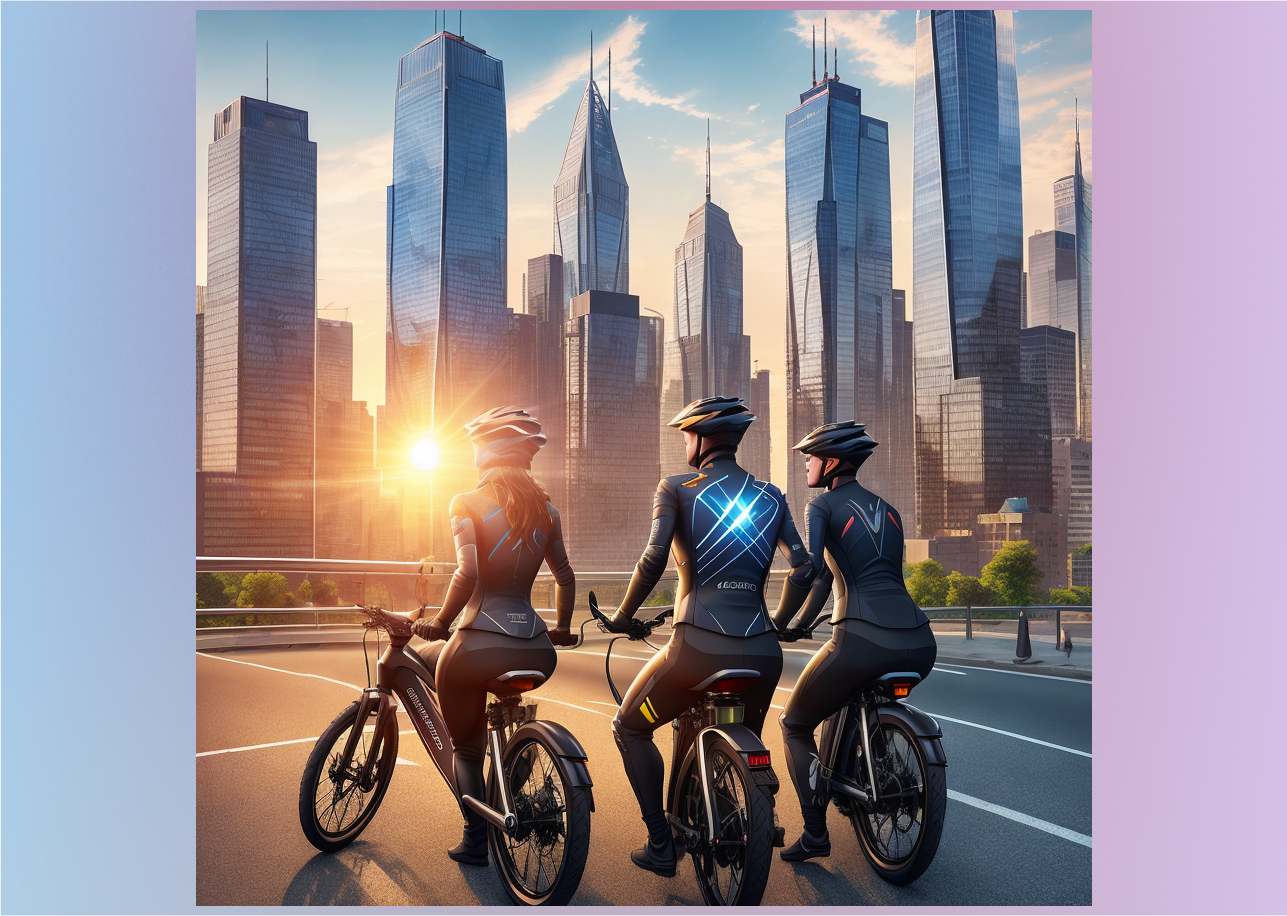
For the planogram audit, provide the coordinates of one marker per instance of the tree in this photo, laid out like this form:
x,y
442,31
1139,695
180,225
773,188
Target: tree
x,y
305,592
327,594
1078,595
264,589
968,591
379,595
1012,573
927,584
660,597
218,589
1082,551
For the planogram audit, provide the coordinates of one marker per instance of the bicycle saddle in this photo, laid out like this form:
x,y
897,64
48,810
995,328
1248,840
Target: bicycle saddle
x,y
515,682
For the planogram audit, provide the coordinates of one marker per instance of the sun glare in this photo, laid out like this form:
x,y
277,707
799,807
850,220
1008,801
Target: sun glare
x,y
424,455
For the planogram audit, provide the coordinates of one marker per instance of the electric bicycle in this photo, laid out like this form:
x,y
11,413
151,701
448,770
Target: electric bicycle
x,y
539,791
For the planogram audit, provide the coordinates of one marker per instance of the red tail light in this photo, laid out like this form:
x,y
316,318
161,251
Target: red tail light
x,y
731,685
521,683
902,690
758,759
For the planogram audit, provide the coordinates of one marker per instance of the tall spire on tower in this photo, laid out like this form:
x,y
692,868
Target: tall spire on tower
x,y
609,81
815,55
824,49
592,55
708,160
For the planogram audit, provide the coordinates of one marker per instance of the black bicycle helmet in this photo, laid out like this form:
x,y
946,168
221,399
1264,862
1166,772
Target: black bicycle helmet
x,y
505,437
846,440
717,422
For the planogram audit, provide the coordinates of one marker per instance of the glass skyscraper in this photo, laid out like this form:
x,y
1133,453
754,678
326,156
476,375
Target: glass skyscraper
x,y
1048,359
1073,214
592,204
545,302
447,324
982,434
840,342
256,485
201,360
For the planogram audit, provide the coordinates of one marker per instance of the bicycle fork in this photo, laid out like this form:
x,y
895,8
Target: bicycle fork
x,y
380,703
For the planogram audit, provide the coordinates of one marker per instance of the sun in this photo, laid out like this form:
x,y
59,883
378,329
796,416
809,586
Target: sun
x,y
424,455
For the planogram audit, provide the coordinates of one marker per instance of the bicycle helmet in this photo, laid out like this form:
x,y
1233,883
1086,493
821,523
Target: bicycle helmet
x,y
717,422
505,437
847,440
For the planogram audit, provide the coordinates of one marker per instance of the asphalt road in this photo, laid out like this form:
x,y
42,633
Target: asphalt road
x,y
1017,830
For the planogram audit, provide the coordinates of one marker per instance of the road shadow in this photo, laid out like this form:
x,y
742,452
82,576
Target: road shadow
x,y
487,887
362,874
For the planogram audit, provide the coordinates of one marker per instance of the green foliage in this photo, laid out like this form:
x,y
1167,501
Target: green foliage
x,y
1082,551
660,597
305,591
1012,573
968,591
327,594
379,595
907,570
927,585
264,589
217,589
1077,595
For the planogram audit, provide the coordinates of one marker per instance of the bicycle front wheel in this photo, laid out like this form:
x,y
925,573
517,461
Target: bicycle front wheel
x,y
542,863
900,835
735,869
333,806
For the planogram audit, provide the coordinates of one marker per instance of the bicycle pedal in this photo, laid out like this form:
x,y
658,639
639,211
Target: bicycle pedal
x,y
779,836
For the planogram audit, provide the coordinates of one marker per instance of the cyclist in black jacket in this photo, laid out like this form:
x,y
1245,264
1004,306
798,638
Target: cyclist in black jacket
x,y
503,532
723,526
876,626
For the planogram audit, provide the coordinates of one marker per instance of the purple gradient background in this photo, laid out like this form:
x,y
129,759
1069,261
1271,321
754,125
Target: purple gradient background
x,y
98,486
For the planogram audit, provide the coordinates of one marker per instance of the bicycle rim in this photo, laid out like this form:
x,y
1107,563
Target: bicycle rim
x,y
533,858
338,800
720,870
893,830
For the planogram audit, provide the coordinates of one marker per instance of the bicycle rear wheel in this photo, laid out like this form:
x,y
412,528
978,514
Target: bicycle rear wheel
x,y
735,870
333,808
900,836
542,863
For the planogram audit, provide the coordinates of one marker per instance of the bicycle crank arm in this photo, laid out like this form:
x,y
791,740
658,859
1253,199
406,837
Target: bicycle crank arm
x,y
506,822
846,787
686,838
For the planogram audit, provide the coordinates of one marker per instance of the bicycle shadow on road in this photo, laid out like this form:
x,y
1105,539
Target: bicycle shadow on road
x,y
486,885
363,874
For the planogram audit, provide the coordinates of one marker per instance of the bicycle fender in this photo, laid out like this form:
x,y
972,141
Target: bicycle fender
x,y
744,741
568,749
922,725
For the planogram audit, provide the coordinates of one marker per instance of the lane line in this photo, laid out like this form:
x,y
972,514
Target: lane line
x,y
1021,818
258,747
319,677
1044,677
945,671
989,728
542,699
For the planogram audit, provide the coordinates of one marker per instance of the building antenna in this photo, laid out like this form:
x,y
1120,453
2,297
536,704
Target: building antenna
x,y
592,55
815,55
265,71
708,160
824,49
435,22
1076,122
835,63
460,22
609,82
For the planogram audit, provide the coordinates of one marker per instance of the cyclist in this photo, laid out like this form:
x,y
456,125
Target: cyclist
x,y
503,531
723,525
876,627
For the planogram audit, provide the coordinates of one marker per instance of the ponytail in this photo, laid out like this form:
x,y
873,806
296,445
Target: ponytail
x,y
522,497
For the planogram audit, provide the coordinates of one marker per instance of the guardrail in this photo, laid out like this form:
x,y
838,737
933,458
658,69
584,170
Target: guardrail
x,y
996,619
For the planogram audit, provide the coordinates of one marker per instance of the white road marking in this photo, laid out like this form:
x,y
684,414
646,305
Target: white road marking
x,y
410,763
1044,677
638,658
989,728
257,747
532,696
945,671
319,677
1020,817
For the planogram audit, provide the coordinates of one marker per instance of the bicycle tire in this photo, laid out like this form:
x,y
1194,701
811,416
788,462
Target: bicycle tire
x,y
748,871
878,830
333,831
540,786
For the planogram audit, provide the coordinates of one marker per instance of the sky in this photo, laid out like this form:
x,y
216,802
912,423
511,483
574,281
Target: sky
x,y
671,70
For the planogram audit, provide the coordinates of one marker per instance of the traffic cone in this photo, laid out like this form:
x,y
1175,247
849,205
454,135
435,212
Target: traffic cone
x,y
1023,648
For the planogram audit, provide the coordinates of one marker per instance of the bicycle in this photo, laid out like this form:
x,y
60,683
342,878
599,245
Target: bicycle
x,y
538,813
884,763
719,798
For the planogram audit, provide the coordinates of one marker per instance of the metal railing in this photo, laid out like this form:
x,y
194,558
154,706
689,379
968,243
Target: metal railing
x,y
1062,620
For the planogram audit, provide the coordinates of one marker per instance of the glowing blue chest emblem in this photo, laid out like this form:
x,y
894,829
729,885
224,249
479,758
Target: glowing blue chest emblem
x,y
729,524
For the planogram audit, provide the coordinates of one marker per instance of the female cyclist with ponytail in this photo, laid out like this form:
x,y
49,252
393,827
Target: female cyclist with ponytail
x,y
503,531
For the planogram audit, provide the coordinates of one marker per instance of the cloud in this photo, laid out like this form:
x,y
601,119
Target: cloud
x,y
1030,111
1048,153
753,107
732,159
1064,80
530,103
351,183
869,38
1034,45
351,172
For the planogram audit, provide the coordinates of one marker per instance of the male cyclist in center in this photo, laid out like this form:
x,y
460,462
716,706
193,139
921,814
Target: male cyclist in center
x,y
723,525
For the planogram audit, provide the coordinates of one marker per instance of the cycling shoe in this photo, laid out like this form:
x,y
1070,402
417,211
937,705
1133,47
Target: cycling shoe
x,y
656,858
472,849
807,847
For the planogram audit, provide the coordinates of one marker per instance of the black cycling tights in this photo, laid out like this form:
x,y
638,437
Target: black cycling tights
x,y
857,651
663,690
462,665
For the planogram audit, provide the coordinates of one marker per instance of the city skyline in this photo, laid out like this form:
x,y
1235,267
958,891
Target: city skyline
x,y
656,118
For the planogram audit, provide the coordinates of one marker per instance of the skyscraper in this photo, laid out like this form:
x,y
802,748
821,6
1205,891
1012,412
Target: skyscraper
x,y
755,453
256,484
839,273
1048,361
447,325
982,435
714,355
1073,214
613,390
545,302
900,441
346,488
1052,280
592,203
201,360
